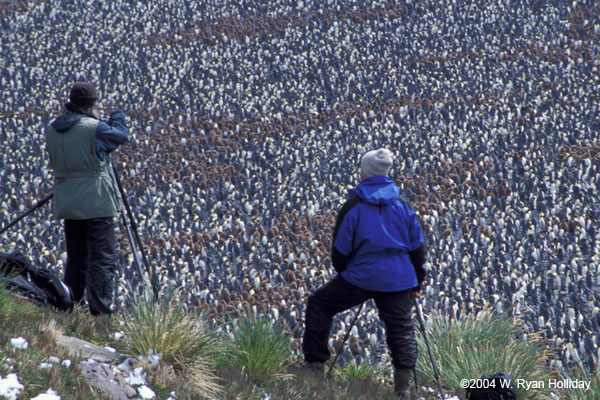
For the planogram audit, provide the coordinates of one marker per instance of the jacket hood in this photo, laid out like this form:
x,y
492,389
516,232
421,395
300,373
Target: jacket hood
x,y
70,117
63,123
377,190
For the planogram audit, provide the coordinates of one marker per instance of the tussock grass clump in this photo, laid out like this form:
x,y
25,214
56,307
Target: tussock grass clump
x,y
485,342
259,347
357,371
161,326
581,373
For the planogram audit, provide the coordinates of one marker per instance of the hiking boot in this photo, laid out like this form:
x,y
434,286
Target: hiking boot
x,y
312,368
317,368
402,383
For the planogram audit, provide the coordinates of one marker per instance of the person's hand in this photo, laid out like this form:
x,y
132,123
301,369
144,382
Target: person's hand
x,y
417,293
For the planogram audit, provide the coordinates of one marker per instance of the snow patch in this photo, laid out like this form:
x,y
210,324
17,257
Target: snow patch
x,y
10,386
137,378
19,343
49,395
145,392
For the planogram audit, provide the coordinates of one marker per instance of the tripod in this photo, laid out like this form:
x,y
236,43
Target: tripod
x,y
129,223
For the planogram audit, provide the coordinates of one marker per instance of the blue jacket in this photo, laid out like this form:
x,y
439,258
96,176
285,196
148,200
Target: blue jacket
x,y
376,233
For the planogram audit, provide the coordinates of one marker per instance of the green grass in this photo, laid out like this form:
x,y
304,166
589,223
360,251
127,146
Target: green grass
x,y
257,346
5,296
20,318
184,343
253,360
356,371
582,374
485,342
301,385
10,308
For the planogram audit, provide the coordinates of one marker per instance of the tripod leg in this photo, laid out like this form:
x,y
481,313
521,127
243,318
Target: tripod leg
x,y
26,213
345,339
133,227
136,260
433,364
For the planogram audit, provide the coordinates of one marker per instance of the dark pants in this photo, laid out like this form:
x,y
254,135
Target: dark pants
x,y
395,310
91,261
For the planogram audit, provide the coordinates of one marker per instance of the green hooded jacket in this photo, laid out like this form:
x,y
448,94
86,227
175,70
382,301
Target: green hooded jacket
x,y
83,184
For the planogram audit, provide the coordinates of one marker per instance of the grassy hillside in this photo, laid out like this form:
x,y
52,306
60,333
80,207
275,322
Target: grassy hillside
x,y
247,120
184,356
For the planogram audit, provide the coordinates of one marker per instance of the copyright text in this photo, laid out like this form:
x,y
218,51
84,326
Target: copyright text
x,y
525,384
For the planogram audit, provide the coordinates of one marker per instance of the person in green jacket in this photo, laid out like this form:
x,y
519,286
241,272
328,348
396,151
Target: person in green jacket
x,y
85,194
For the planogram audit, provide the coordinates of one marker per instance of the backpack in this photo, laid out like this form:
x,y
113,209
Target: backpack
x,y
500,386
38,284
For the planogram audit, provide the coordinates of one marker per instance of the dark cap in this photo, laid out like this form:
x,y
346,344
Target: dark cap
x,y
83,94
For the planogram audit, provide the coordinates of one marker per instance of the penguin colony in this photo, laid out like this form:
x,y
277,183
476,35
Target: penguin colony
x,y
248,120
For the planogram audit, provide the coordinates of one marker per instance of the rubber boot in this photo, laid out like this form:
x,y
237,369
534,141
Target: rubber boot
x,y
402,383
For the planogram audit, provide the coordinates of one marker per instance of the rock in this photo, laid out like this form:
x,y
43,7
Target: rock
x,y
102,377
97,368
85,349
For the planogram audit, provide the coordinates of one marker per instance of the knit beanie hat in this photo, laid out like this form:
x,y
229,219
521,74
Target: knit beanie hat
x,y
83,94
376,162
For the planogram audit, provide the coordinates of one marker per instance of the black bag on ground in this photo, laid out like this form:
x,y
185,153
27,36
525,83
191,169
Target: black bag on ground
x,y
37,284
500,386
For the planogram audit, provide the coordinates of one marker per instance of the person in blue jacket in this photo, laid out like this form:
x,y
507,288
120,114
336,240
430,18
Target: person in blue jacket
x,y
85,194
378,251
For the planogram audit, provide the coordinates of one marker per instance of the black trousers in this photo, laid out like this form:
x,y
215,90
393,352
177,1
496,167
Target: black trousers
x,y
91,261
395,310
